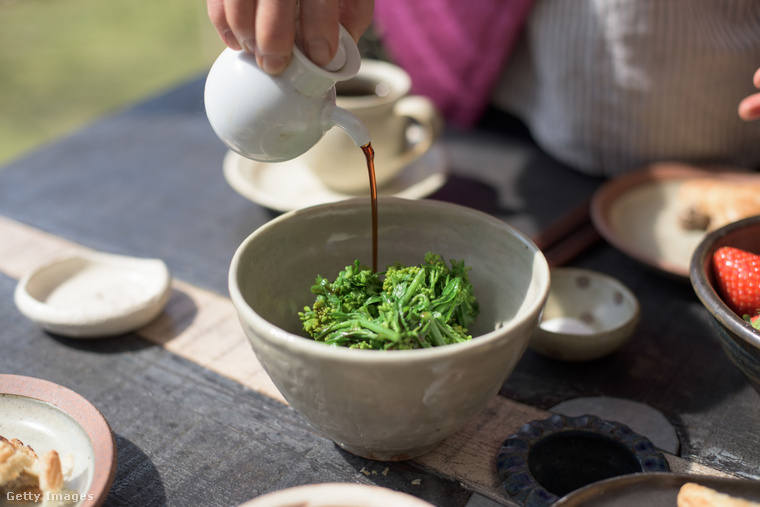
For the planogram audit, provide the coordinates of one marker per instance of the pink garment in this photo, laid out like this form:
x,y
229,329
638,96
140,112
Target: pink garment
x,y
453,49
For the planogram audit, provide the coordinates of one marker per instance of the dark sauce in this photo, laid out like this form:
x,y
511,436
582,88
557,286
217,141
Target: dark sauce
x,y
369,154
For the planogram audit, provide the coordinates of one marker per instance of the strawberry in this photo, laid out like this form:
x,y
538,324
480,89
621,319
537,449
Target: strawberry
x,y
754,320
737,275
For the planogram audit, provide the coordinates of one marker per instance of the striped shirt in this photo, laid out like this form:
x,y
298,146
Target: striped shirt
x,y
607,86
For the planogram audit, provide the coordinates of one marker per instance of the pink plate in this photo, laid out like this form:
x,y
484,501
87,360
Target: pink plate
x,y
48,416
637,213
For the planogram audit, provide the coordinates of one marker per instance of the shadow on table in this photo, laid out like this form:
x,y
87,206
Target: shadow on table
x,y
403,477
129,342
177,316
137,481
472,193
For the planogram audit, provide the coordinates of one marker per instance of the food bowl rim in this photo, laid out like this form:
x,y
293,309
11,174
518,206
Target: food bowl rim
x,y
703,287
324,351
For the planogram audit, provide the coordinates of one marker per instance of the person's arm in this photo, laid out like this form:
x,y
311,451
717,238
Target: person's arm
x,y
267,28
749,108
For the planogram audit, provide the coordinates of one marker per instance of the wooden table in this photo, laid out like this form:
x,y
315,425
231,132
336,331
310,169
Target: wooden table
x,y
195,419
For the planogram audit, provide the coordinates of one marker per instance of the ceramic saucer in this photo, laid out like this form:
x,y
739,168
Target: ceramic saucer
x,y
94,294
291,185
46,416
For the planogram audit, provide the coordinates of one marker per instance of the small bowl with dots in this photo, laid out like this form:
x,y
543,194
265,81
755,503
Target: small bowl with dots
x,y
587,315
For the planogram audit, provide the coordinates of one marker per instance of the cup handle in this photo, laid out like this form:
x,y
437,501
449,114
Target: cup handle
x,y
423,111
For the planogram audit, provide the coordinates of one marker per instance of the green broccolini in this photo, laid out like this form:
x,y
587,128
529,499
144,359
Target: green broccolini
x,y
405,307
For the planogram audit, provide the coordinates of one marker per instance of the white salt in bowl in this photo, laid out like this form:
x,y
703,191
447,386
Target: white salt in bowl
x,y
588,315
387,405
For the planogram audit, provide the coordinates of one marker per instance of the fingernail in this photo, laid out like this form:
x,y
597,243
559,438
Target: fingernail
x,y
231,41
318,51
250,46
273,64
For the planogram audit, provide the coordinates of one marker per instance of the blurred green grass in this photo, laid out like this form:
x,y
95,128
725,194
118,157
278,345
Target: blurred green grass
x,y
64,63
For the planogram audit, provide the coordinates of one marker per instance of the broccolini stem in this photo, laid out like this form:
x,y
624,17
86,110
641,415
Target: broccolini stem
x,y
377,328
436,333
335,327
420,301
412,287
446,329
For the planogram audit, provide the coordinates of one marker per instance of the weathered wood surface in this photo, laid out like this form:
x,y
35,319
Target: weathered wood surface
x,y
186,435
148,182
202,327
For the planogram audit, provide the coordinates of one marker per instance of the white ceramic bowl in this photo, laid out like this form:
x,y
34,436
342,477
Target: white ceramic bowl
x,y
337,494
587,316
94,294
387,405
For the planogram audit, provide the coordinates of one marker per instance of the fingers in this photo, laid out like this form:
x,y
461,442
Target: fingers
x,y
218,17
749,108
319,29
240,15
319,25
356,16
275,29
267,28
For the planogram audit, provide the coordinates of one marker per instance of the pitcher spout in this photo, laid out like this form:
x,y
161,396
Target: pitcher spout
x,y
351,124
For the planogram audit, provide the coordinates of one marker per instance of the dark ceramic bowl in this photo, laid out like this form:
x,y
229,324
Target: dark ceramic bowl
x,y
739,340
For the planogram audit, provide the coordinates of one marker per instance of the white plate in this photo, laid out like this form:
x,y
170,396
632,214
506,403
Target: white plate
x,y
290,185
47,416
638,214
94,294
337,494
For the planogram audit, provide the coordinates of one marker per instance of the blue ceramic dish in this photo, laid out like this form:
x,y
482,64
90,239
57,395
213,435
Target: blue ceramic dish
x,y
740,341
547,459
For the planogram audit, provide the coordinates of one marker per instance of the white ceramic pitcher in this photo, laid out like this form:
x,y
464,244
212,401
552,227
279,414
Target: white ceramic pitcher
x,y
277,118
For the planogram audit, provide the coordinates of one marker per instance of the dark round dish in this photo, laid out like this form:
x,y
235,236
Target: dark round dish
x,y
740,341
550,458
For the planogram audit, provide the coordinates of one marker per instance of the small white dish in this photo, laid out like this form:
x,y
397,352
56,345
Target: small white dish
x,y
336,494
587,316
94,294
291,185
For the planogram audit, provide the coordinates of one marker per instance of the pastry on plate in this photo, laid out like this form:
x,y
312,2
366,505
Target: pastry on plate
x,y
710,203
696,495
22,471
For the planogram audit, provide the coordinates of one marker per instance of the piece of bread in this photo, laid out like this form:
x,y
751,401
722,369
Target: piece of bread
x,y
21,470
710,203
696,495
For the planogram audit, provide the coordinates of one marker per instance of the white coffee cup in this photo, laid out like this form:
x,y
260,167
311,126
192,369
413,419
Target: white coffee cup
x,y
379,96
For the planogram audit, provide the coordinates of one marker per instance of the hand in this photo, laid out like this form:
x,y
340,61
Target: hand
x,y
267,28
749,108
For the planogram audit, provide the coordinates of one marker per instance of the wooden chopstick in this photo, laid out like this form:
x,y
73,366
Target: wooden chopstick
x,y
571,234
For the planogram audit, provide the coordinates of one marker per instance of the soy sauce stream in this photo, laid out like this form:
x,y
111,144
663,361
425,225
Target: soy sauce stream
x,y
369,154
